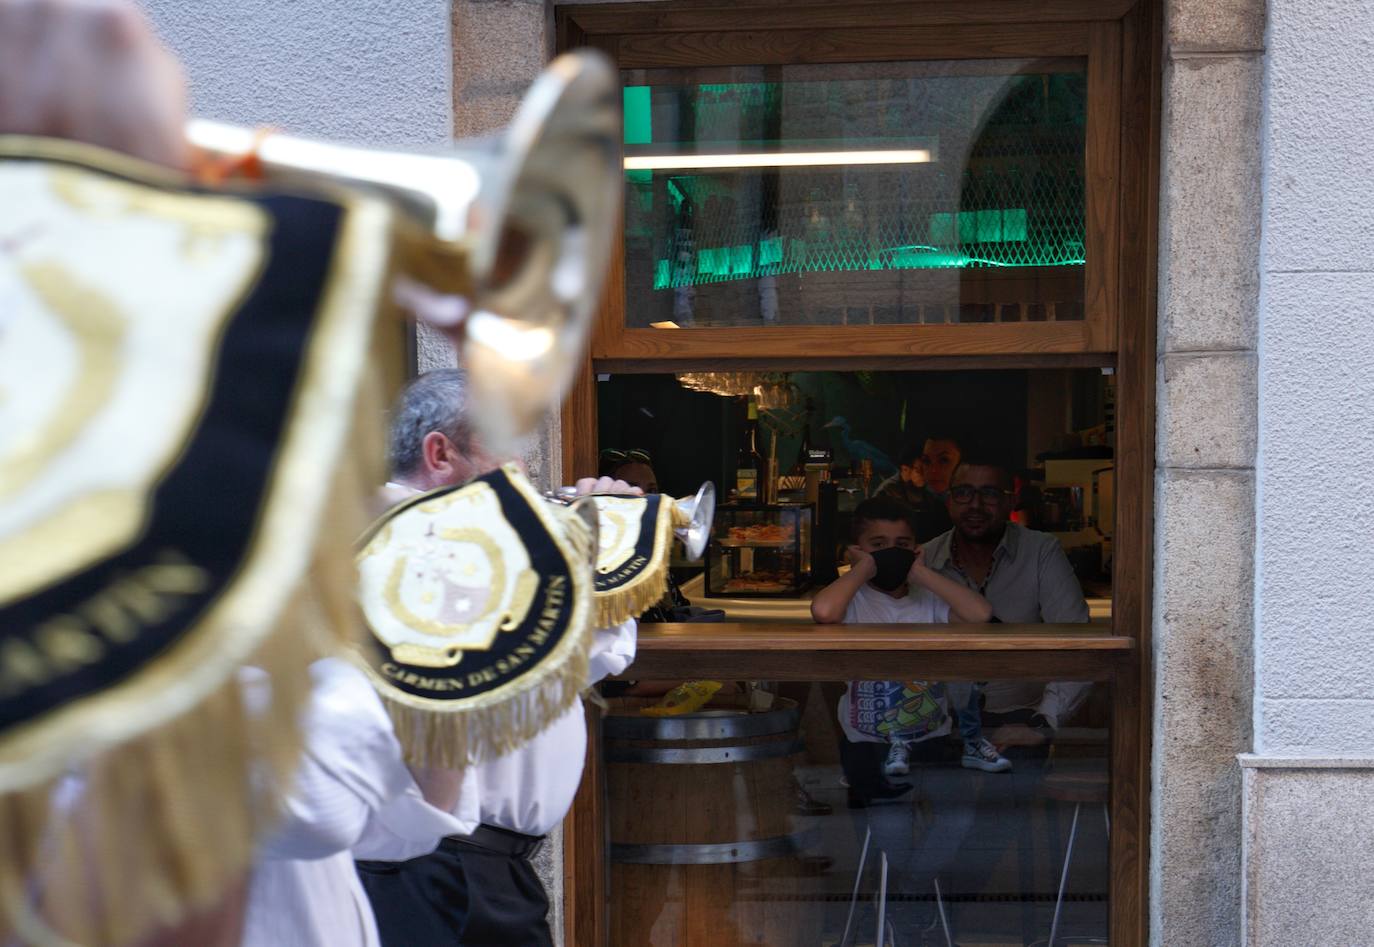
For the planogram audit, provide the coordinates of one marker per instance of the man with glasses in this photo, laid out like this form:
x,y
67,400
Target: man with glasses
x,y
1026,577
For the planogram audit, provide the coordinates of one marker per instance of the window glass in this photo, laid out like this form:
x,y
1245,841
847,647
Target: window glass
x,y
813,812
887,193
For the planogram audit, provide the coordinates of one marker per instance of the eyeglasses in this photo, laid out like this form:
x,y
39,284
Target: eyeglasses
x,y
989,495
634,454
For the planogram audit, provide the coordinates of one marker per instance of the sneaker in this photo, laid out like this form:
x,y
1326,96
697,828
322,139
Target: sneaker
x,y
806,804
898,759
981,754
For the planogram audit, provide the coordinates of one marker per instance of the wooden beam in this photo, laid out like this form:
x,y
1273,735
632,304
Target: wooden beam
x,y
877,341
687,16
872,363
856,44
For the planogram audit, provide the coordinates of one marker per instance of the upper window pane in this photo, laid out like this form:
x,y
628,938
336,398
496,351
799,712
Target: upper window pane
x,y
855,194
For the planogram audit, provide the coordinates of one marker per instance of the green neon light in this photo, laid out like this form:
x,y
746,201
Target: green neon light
x,y
1014,200
770,251
639,125
776,256
674,192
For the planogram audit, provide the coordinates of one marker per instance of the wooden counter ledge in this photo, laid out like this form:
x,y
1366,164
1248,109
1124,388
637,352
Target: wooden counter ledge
x,y
804,651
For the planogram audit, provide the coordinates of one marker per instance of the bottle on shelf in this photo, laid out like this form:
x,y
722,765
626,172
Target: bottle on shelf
x,y
750,467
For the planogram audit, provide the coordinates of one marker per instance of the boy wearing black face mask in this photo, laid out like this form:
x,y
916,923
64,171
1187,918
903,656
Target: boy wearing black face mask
x,y
889,583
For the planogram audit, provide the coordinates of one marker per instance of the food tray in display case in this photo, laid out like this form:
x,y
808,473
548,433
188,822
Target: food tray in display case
x,y
760,551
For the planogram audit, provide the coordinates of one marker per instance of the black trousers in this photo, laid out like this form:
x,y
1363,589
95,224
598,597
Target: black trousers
x,y
458,895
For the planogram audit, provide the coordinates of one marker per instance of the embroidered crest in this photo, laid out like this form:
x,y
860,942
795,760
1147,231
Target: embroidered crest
x,y
478,599
634,540
177,368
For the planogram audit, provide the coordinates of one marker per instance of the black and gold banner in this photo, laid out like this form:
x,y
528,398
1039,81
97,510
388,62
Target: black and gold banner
x,y
180,374
634,542
478,600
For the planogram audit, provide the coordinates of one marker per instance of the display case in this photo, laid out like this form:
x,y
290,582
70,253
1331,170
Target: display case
x,y
760,551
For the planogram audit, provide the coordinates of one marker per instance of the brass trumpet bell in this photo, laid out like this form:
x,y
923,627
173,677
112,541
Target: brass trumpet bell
x,y
692,519
518,227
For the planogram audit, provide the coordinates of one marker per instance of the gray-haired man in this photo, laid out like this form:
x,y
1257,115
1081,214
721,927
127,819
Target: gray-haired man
x,y
481,888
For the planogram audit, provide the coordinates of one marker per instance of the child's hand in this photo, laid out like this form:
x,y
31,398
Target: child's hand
x,y
861,563
918,568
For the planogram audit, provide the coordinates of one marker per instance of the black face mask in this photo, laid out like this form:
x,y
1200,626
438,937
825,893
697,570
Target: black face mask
x,y
893,564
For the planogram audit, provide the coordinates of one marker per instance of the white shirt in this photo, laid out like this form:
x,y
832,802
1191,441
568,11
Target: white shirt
x,y
353,796
1030,581
530,790
919,606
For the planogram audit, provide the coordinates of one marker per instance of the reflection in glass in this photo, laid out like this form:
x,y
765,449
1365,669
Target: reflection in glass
x,y
937,192
754,820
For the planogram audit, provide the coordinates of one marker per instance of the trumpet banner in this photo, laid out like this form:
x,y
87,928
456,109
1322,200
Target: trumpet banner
x,y
479,601
635,539
185,388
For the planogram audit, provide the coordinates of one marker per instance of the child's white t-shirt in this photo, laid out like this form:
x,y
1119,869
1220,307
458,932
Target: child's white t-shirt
x,y
931,711
918,606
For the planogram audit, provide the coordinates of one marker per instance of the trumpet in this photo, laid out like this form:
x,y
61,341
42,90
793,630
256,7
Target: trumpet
x,y
692,516
519,228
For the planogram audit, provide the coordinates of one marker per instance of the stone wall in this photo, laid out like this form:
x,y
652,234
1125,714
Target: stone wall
x,y
365,70
1316,636
1310,781
499,46
1205,478
376,71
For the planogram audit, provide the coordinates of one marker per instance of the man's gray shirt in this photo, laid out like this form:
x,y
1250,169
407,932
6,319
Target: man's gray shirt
x,y
1030,580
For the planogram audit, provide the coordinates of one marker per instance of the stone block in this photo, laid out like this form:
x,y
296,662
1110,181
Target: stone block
x,y
1309,868
1207,410
548,865
1319,162
1209,226
1203,646
499,46
1214,24
433,350
1204,544
542,453
1196,854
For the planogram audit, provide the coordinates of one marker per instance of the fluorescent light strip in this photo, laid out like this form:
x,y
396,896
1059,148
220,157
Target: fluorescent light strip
x,y
775,159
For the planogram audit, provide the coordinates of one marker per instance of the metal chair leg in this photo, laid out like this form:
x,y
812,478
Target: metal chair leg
x,y
854,896
1064,875
940,906
881,938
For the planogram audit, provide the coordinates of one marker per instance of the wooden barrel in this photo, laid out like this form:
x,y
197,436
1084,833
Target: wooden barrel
x,y
704,846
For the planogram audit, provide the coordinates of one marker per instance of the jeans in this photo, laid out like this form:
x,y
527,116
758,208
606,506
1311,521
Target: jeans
x,y
965,698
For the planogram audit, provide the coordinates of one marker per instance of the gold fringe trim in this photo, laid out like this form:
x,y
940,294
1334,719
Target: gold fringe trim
x,y
456,739
164,826
641,593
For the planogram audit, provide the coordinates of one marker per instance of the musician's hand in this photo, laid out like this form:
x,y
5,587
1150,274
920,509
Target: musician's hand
x,y
94,71
606,485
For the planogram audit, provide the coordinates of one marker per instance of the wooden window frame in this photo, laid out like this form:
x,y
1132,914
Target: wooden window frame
x,y
1121,40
